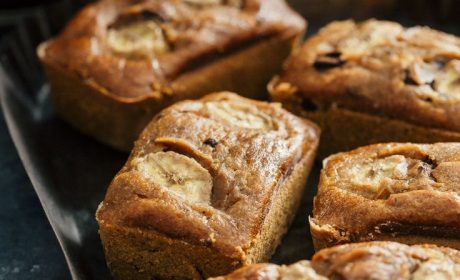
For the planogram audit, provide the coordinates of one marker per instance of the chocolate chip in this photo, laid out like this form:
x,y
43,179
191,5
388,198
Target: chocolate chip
x,y
130,17
211,142
408,79
308,105
150,15
440,61
426,159
328,61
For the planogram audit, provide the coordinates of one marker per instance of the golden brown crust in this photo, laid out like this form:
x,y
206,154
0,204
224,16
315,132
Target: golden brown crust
x,y
371,260
380,68
344,130
126,89
405,191
234,156
119,123
387,260
191,31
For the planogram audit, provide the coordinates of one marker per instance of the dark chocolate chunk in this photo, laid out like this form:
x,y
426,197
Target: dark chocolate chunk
x,y
408,79
132,17
308,105
440,61
328,61
211,142
429,161
432,86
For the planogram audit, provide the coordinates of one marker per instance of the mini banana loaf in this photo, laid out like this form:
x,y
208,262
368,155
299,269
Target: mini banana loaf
x,y
358,261
400,192
375,82
118,63
211,185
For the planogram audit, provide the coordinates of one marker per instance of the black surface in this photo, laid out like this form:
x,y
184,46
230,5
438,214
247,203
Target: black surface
x,y
69,171
28,247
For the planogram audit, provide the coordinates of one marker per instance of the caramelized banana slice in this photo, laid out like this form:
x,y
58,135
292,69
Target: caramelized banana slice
x,y
182,175
139,39
372,173
448,83
370,36
240,114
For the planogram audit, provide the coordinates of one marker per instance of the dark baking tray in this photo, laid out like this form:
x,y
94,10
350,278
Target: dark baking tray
x,y
70,171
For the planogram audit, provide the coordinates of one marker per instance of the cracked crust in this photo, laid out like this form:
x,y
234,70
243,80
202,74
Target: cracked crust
x,y
401,192
108,82
379,69
258,163
371,260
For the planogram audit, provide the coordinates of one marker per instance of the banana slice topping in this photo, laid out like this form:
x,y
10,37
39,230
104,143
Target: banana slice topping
x,y
240,114
182,175
139,39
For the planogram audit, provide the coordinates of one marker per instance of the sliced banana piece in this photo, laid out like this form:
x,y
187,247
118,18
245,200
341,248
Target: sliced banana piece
x,y
182,175
371,174
423,73
139,39
435,269
447,82
240,114
370,35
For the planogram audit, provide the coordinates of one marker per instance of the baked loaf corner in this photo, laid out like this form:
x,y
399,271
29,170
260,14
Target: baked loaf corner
x,y
211,185
374,82
118,63
400,192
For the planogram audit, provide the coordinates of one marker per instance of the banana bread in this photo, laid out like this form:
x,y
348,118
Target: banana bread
x,y
118,63
369,260
375,82
211,185
399,192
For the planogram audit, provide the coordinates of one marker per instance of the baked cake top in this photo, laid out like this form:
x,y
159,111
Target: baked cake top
x,y
207,171
370,260
379,67
387,260
132,49
391,188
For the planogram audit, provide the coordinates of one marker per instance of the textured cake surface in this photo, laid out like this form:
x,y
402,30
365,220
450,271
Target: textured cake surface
x,y
377,67
371,260
207,173
390,191
133,49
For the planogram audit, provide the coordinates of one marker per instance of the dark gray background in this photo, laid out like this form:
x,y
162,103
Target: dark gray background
x,y
28,248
